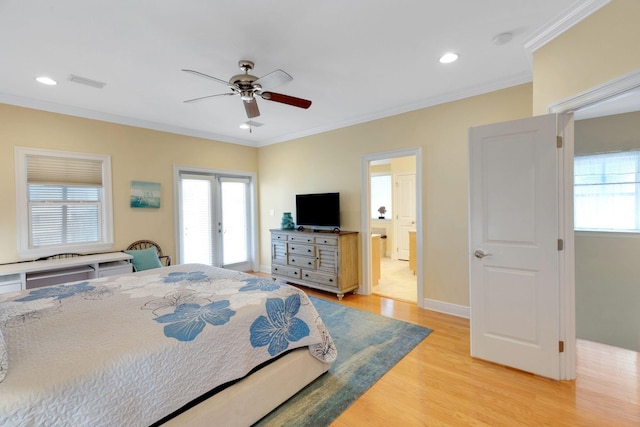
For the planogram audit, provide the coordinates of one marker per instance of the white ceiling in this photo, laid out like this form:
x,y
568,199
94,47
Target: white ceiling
x,y
356,60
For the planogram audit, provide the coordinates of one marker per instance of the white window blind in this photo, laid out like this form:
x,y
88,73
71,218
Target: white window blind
x,y
196,212
64,201
607,191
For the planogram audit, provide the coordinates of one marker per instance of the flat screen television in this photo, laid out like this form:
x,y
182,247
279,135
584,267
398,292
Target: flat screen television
x,y
318,210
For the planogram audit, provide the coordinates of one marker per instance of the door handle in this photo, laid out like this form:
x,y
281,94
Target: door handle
x,y
479,253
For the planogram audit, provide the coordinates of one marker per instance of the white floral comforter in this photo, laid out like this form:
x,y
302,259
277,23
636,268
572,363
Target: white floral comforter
x,y
128,350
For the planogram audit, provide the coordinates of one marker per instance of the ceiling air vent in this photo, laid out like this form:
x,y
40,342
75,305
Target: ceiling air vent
x,y
86,81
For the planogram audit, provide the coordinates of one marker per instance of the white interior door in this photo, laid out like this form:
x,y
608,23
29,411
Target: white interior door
x,y
514,247
404,205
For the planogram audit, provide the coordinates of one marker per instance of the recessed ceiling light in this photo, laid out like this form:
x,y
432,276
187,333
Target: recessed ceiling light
x,y
46,81
448,58
244,126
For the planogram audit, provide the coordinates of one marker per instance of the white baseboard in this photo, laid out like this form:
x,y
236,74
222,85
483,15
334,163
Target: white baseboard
x,y
265,269
447,308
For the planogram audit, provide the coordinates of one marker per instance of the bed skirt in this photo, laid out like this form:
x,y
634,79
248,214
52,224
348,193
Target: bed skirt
x,y
265,389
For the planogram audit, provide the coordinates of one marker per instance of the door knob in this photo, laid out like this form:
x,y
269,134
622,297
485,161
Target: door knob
x,y
479,253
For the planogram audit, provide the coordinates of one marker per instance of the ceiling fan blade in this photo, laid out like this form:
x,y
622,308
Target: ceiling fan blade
x,y
207,97
286,99
273,79
251,107
206,76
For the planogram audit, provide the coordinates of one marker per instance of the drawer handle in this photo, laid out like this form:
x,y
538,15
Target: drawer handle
x,y
306,275
309,263
295,272
293,260
309,250
275,269
331,280
292,248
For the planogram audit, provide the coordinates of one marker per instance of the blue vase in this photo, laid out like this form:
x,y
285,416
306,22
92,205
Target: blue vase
x,y
287,221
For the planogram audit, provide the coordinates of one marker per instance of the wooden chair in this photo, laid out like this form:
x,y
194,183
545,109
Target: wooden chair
x,y
60,256
146,244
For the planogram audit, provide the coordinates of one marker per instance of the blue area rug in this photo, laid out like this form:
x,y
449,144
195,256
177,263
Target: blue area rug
x,y
368,346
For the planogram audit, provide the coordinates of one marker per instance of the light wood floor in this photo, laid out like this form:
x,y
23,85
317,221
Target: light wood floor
x,y
396,281
439,384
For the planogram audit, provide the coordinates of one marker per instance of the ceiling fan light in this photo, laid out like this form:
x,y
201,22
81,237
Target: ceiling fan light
x,y
46,81
449,57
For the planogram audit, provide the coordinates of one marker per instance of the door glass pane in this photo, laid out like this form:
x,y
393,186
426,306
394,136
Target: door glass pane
x,y
196,221
234,222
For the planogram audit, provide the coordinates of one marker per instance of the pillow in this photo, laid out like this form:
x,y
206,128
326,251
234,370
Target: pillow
x,y
145,259
4,357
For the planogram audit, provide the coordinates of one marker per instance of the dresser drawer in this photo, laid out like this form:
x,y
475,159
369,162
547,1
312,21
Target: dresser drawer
x,y
302,261
285,271
325,279
299,249
330,241
301,238
278,237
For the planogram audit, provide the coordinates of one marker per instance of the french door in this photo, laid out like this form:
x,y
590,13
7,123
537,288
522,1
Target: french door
x,y
215,219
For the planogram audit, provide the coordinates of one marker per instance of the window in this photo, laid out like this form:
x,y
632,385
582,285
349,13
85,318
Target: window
x,y
63,202
381,196
607,192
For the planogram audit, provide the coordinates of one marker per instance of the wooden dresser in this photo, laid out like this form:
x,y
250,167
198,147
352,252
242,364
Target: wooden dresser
x,y
320,260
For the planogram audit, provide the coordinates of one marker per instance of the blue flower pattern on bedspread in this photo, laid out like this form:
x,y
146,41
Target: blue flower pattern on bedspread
x,y
280,326
178,276
257,284
58,292
188,320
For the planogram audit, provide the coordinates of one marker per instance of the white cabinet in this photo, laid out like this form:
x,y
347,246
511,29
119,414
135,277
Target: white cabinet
x,y
114,268
11,283
34,274
326,261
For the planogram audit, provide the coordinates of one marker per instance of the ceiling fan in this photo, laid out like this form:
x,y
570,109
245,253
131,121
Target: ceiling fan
x,y
248,87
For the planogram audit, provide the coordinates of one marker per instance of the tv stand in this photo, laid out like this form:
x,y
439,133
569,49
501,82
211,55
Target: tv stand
x,y
326,262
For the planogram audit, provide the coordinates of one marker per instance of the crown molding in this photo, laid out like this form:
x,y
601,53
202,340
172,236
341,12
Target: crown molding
x,y
574,14
468,92
598,93
84,113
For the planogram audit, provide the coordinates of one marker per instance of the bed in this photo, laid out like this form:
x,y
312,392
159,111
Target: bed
x,y
181,345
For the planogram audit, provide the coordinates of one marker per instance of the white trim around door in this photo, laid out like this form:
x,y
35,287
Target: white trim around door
x,y
366,287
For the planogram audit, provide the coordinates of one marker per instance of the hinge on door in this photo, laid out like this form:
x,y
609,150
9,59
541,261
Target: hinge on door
x,y
560,244
559,141
561,346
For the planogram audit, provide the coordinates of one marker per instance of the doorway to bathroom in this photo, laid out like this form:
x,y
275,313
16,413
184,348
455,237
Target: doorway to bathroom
x,y
392,227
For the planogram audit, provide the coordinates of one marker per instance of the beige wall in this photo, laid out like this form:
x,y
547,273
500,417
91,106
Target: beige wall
x,y
136,154
607,268
620,132
332,162
600,48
